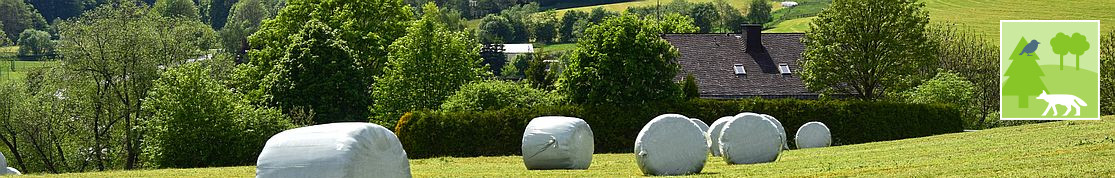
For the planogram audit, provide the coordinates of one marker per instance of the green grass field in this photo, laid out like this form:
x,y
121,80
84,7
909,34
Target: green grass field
x,y
559,47
7,72
1066,148
983,16
792,26
742,5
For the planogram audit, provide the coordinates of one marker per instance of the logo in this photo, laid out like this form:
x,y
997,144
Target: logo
x,y
1049,69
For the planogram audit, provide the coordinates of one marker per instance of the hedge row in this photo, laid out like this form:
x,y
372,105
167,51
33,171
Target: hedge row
x,y
499,132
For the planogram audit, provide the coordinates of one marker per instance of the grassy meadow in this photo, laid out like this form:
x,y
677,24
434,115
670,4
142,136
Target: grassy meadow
x,y
1065,148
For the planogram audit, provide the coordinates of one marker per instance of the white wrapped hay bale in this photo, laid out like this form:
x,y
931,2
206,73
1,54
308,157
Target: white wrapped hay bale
x,y
334,150
10,171
700,124
714,134
750,138
813,135
704,130
789,4
670,144
555,142
781,130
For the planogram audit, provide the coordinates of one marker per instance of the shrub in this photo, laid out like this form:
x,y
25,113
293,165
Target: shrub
x,y
1107,74
494,95
438,133
949,88
689,87
196,122
34,43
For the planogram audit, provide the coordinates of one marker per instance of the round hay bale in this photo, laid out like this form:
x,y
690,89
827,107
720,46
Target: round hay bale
x,y
700,124
750,138
556,142
670,144
11,171
704,129
714,134
334,150
813,135
781,131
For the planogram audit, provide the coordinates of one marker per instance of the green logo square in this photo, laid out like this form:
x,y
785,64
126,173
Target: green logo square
x,y
1049,69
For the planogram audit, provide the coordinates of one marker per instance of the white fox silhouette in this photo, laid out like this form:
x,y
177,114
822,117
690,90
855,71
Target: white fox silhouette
x,y
1069,101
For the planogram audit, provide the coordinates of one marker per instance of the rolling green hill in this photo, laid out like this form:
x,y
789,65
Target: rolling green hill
x,y
981,15
1066,148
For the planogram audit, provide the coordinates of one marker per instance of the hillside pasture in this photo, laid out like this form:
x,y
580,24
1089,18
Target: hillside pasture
x,y
1066,148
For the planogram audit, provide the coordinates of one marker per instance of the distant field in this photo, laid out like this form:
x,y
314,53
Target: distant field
x,y
8,72
1057,149
792,26
559,47
742,5
983,16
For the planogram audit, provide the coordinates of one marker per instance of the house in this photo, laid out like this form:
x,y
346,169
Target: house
x,y
744,65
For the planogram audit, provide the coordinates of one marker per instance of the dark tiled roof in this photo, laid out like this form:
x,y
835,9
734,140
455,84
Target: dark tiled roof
x,y
710,58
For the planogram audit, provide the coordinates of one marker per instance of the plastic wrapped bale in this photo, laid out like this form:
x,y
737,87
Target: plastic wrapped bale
x,y
555,142
813,135
714,134
11,171
781,131
347,150
704,129
670,144
750,138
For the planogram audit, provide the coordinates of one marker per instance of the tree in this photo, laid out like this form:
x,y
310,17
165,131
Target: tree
x,y
4,37
112,55
425,67
1061,44
759,12
730,18
536,73
704,16
621,61
1107,76
320,63
568,20
18,16
689,87
948,87
973,57
842,57
676,23
197,122
1023,76
243,21
1079,46
60,9
495,29
366,27
176,9
544,26
35,43
215,12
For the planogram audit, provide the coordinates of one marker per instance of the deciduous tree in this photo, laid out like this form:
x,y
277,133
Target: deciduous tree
x,y
868,49
366,27
425,67
621,61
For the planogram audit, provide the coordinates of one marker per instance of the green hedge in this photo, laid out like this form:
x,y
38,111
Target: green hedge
x,y
486,133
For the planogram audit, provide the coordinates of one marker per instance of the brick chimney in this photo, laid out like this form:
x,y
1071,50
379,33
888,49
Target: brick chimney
x,y
754,34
